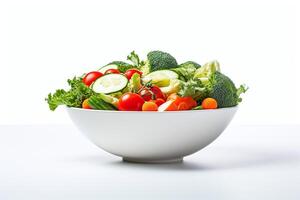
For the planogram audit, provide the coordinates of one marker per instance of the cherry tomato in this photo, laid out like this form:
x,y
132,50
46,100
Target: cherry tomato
x,y
153,93
149,106
85,104
90,77
131,102
146,94
158,93
209,103
130,72
112,71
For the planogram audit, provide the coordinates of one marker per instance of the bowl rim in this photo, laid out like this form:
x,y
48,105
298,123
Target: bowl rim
x,y
154,112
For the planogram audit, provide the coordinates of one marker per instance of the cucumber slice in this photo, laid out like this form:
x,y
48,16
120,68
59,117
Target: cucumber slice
x,y
160,78
111,66
109,83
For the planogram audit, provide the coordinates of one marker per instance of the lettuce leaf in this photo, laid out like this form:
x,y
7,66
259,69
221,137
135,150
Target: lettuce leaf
x,y
193,88
73,97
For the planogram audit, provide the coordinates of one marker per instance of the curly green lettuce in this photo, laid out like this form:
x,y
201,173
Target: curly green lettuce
x,y
73,97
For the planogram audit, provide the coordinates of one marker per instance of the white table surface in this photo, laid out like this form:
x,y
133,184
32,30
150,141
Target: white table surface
x,y
57,162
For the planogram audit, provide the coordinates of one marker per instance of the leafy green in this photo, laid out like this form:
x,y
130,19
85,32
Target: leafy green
x,y
134,58
193,88
135,83
72,97
242,89
205,72
186,70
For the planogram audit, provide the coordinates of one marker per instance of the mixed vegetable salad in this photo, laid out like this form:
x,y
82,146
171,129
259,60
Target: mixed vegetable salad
x,y
158,83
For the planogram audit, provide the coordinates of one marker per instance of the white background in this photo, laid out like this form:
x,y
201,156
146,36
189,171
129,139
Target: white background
x,y
42,43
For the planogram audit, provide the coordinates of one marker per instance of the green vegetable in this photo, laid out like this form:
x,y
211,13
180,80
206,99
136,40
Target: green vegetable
x,y
158,60
120,65
242,89
218,85
72,97
160,78
192,63
135,83
96,102
110,83
203,73
186,70
109,99
173,87
197,108
134,58
193,88
223,90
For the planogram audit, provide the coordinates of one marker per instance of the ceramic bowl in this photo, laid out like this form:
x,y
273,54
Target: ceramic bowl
x,y
152,137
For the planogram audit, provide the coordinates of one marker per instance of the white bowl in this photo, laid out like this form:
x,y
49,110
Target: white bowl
x,y
152,137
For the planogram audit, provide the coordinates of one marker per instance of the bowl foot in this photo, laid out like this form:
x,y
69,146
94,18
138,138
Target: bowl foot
x,y
156,161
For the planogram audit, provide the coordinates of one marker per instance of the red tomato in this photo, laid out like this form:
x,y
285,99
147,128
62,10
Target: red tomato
x,y
112,71
158,101
158,93
130,72
90,77
153,93
131,102
146,94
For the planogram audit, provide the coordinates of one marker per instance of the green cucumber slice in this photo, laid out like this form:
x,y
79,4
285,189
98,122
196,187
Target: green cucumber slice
x,y
160,78
110,83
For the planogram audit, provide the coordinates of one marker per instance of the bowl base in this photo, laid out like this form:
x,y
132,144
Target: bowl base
x,y
158,161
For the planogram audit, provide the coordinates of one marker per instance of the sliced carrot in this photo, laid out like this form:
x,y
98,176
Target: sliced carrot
x,y
190,102
168,106
183,106
209,103
149,106
85,104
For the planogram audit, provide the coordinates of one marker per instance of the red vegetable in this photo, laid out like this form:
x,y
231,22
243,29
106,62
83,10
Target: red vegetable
x,y
130,72
183,103
209,103
158,101
153,93
149,106
131,102
112,71
85,104
168,106
90,77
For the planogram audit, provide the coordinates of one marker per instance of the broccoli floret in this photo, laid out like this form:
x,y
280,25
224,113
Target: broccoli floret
x,y
223,90
158,60
219,86
191,63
